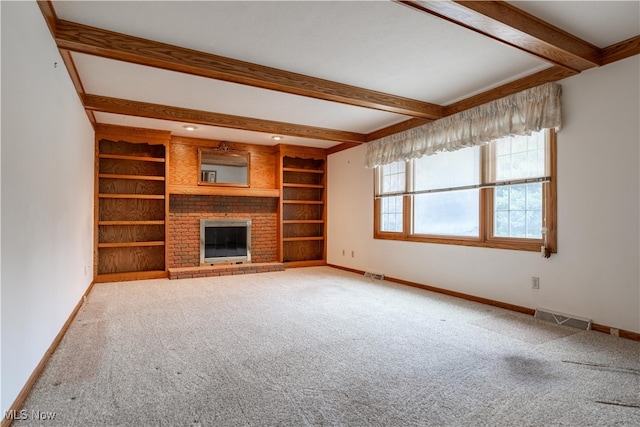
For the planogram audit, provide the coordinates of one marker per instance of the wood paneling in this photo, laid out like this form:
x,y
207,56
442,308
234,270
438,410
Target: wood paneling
x,y
130,233
130,210
131,150
307,250
132,134
301,211
108,44
292,194
304,178
130,167
132,275
130,259
184,170
302,229
130,186
210,190
304,153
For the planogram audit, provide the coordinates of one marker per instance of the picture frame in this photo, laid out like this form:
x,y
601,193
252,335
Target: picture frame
x,y
208,176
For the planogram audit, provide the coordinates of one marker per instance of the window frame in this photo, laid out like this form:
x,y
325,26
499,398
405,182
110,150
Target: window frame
x,y
486,215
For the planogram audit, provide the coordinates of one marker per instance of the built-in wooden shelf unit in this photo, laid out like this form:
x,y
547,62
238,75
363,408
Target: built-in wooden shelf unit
x,y
302,211
131,203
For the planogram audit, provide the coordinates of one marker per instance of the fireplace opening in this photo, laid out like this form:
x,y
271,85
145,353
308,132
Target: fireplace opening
x,y
225,241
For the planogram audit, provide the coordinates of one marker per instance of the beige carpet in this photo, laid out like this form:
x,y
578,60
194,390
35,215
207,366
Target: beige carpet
x,y
323,347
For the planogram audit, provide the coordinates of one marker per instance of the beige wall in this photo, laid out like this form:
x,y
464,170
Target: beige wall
x,y
596,273
47,195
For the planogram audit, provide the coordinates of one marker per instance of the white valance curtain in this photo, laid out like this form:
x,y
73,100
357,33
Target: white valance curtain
x,y
519,114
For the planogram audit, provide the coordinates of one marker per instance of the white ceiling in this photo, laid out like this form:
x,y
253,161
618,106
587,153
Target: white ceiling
x,y
378,45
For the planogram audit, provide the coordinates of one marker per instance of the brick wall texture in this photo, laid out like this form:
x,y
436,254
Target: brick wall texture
x,y
185,212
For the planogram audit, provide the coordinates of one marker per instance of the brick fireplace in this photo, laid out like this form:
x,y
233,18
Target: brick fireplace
x,y
186,211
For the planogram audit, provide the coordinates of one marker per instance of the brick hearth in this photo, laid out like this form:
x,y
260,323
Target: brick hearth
x,y
185,212
224,270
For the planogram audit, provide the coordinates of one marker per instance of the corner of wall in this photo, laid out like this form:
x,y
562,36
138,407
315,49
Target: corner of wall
x,y
47,196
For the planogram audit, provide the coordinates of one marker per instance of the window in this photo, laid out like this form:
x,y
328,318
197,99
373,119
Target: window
x,y
438,211
392,185
499,195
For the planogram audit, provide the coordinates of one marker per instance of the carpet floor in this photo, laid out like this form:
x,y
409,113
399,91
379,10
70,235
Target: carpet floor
x,y
324,347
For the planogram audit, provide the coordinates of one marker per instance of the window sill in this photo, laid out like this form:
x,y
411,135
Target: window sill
x,y
510,244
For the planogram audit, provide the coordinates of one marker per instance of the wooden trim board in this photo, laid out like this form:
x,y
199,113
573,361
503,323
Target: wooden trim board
x,y
634,336
17,404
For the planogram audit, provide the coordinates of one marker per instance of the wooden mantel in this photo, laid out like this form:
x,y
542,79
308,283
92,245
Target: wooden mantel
x,y
223,191
184,169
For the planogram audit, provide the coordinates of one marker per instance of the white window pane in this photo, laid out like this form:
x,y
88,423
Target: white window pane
x,y
519,144
517,198
520,157
391,214
393,177
453,213
534,224
447,170
518,211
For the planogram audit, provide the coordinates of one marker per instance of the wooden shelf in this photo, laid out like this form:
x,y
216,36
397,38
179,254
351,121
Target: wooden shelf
x,y
301,239
131,209
308,263
133,275
303,202
145,222
126,157
302,207
132,196
302,170
130,244
295,185
140,177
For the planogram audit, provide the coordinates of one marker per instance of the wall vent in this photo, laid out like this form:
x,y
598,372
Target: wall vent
x,y
376,276
563,319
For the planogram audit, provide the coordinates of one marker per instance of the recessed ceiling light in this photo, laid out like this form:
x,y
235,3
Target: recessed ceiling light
x,y
277,138
190,127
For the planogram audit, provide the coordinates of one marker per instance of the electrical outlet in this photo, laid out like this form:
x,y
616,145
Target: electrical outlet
x,y
535,283
615,332
343,252
353,254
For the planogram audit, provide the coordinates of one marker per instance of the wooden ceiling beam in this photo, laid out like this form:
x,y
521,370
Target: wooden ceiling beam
x,y
510,25
50,17
95,41
163,112
340,147
49,14
398,127
551,74
75,78
622,50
